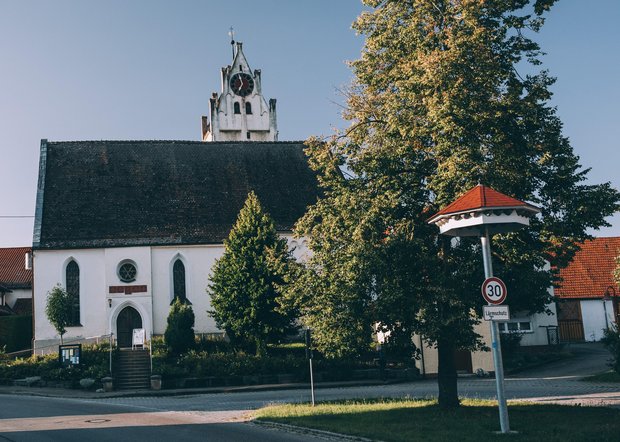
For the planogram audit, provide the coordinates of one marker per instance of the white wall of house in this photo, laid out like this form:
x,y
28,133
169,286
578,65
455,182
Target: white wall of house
x,y
593,317
428,363
533,328
16,294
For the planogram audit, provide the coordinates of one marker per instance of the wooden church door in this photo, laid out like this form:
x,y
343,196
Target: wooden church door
x,y
127,320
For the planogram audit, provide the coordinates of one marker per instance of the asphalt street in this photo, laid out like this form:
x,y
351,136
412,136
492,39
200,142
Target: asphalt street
x,y
226,416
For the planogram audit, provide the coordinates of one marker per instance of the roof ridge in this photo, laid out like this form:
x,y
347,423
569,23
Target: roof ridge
x,y
206,143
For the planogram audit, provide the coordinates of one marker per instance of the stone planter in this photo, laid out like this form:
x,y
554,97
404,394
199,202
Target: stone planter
x,y
107,384
156,382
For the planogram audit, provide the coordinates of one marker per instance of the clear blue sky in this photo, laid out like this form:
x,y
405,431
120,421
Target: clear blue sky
x,y
118,69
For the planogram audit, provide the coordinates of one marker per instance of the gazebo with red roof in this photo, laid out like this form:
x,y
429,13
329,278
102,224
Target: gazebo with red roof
x,y
483,207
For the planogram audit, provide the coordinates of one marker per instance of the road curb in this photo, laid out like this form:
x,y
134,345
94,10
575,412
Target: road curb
x,y
78,394
310,431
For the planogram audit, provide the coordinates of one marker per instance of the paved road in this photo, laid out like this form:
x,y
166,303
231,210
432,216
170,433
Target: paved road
x,y
225,416
589,359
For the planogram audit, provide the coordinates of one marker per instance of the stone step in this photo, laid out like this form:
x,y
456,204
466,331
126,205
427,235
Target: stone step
x,y
132,370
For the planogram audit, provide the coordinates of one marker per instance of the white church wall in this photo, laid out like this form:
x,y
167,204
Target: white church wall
x,y
49,269
141,300
103,295
198,261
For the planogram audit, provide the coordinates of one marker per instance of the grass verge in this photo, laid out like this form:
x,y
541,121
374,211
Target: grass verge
x,y
609,376
476,420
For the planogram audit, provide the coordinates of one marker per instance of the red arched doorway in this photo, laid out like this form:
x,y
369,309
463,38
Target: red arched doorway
x,y
127,320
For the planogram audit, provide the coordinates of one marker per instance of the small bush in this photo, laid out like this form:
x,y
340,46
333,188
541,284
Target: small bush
x,y
179,335
611,340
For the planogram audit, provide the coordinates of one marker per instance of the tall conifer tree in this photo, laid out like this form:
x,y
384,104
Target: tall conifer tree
x,y
246,281
440,102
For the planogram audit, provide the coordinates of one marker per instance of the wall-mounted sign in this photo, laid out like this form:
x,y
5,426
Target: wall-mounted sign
x,y
69,354
128,289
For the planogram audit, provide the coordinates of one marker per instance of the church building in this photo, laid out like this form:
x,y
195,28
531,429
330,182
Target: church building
x,y
128,226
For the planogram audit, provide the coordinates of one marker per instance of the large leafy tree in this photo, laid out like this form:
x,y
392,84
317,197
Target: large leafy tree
x,y
246,281
438,104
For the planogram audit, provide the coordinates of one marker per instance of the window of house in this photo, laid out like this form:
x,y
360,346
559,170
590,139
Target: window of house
x,y
515,327
248,108
247,135
178,282
72,277
237,108
127,271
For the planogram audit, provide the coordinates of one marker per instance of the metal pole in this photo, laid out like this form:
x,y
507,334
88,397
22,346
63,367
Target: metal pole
x,y
311,383
495,342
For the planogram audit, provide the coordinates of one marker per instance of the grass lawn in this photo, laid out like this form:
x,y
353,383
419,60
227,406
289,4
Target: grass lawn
x,y
476,420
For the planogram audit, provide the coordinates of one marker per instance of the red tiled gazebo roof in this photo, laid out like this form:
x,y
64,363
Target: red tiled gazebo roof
x,y
481,197
591,270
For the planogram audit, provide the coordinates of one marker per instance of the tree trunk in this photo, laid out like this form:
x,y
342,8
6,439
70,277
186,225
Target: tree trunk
x,y
446,379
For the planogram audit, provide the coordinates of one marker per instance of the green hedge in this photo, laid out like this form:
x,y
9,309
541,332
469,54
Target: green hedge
x,y
15,333
94,364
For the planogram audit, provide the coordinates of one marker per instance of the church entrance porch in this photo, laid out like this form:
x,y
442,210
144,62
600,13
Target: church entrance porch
x,y
127,320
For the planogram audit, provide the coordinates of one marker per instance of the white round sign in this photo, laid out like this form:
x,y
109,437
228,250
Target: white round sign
x,y
494,291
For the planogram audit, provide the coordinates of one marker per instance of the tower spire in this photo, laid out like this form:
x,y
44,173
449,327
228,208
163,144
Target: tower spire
x,y
231,34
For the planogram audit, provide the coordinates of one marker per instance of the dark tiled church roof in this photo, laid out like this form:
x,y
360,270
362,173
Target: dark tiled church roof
x,y
128,193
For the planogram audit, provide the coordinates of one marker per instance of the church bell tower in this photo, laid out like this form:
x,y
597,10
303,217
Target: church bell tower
x,y
240,112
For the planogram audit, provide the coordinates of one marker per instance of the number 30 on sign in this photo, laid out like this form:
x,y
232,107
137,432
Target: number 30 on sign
x,y
494,291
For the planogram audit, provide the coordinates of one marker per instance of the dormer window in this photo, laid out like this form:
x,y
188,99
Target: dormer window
x,y
237,108
248,108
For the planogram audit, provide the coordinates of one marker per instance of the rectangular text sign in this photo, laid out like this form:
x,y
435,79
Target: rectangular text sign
x,y
496,313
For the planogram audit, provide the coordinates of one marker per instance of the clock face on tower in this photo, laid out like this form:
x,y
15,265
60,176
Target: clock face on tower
x,y
242,84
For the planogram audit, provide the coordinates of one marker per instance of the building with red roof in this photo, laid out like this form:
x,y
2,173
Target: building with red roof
x,y
15,281
587,293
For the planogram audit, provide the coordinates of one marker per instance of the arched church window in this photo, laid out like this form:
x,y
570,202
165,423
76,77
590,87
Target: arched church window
x,y
248,108
237,107
72,277
178,281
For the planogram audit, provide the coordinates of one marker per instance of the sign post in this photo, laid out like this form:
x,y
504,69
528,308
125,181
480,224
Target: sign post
x,y
494,295
308,339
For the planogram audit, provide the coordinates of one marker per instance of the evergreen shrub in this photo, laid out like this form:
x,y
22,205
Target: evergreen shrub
x,y
179,335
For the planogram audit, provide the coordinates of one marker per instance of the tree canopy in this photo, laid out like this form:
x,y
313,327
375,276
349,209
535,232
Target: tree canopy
x,y
246,280
59,309
446,94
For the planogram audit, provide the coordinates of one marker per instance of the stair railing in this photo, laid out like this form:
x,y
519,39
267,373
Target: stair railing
x,y
151,352
111,344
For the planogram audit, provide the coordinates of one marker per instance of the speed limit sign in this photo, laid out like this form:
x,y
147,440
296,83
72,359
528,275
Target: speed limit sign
x,y
494,291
